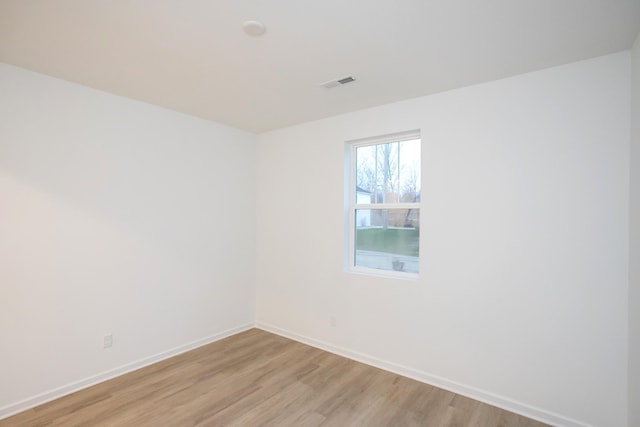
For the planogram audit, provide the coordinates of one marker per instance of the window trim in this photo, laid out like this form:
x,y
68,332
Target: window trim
x,y
351,205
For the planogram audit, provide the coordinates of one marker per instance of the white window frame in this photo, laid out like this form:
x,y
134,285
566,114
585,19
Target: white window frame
x,y
352,206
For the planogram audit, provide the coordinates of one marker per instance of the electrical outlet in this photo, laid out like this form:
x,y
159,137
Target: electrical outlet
x,y
333,321
107,341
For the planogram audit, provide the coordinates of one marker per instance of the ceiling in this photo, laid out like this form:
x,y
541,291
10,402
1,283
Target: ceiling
x,y
192,55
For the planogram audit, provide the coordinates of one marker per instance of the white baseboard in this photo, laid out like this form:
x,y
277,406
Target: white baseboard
x,y
462,389
39,399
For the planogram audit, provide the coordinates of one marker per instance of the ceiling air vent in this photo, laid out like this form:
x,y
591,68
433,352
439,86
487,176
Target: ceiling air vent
x,y
337,82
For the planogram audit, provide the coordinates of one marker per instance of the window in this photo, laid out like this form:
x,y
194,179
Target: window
x,y
384,204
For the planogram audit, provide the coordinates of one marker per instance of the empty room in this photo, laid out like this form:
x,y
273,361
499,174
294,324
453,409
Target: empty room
x,y
290,213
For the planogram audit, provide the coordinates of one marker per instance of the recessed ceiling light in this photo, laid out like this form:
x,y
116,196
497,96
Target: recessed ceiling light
x,y
254,28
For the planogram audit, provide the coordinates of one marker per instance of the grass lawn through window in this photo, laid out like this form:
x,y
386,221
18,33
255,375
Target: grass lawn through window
x,y
401,241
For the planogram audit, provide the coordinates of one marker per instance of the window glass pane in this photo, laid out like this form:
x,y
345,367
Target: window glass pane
x,y
365,174
409,171
388,173
387,239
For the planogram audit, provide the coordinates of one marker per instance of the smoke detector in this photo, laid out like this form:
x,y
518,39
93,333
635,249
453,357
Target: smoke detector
x,y
254,28
338,82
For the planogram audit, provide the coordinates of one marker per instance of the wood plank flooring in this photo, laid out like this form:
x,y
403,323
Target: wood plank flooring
x,y
259,379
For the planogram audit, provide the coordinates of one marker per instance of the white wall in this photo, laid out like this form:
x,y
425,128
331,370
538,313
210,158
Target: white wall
x,y
115,217
522,299
634,255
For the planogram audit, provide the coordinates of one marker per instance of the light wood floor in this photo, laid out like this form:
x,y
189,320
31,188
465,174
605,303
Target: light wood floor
x,y
259,379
